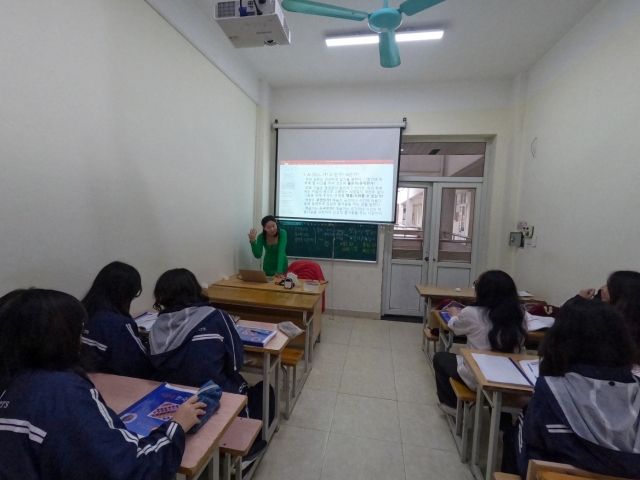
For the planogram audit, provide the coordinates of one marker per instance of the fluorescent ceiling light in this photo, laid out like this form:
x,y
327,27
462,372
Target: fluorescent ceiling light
x,y
400,37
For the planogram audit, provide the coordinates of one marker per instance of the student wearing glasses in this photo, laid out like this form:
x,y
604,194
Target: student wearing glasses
x,y
110,339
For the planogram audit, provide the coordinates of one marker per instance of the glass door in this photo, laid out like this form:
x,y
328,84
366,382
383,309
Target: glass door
x,y
404,263
455,227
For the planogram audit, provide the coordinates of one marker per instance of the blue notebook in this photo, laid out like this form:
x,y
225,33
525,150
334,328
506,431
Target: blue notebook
x,y
155,408
446,317
255,337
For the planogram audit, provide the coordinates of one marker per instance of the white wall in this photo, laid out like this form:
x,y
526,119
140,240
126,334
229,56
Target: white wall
x,y
435,110
581,190
118,140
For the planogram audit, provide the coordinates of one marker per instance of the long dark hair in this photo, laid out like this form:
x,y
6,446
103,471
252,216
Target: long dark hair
x,y
114,289
585,333
624,295
496,291
39,329
267,219
177,288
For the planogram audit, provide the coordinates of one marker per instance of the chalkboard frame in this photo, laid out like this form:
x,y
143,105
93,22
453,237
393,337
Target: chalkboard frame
x,y
333,249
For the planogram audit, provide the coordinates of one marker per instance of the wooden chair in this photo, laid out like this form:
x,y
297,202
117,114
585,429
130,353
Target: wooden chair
x,y
431,342
288,361
466,397
236,443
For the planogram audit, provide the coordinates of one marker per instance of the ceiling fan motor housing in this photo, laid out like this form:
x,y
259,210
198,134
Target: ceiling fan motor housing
x,y
385,20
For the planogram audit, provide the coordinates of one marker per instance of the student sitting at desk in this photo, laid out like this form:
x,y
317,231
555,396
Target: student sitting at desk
x,y
53,422
274,241
584,410
110,340
623,292
495,322
192,342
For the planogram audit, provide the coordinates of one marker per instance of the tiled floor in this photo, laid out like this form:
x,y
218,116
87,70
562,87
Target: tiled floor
x,y
367,411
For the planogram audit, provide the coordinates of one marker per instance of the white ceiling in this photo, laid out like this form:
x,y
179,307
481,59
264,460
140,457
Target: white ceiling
x,y
484,39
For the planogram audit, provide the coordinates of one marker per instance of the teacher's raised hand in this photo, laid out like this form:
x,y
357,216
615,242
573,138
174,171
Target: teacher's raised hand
x,y
253,234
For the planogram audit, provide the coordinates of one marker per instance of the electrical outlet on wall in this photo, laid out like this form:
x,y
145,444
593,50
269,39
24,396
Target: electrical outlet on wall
x,y
527,231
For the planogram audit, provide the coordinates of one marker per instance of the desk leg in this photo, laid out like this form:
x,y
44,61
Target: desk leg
x,y
494,434
425,319
266,368
212,466
477,429
276,418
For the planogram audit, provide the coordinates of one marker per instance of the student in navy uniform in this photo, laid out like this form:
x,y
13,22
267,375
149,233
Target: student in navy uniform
x,y
584,410
622,291
494,322
53,422
192,342
110,340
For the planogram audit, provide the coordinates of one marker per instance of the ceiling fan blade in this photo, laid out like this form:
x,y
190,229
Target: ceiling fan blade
x,y
316,8
411,7
389,53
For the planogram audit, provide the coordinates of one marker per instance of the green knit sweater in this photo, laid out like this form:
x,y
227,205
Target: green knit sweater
x,y
275,258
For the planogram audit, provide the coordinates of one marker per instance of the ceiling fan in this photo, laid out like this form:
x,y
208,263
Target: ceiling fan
x,y
384,21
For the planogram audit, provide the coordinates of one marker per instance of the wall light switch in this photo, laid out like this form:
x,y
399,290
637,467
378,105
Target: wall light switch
x,y
516,239
531,241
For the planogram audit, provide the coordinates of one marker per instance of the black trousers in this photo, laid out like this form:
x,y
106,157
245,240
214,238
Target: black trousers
x,y
445,365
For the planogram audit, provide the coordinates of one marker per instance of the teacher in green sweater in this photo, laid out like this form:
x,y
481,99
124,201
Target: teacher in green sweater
x,y
274,242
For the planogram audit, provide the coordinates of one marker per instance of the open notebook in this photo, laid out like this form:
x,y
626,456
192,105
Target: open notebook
x,y
499,369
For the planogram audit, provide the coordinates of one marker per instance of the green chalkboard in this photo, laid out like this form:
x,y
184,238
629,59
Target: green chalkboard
x,y
355,242
339,241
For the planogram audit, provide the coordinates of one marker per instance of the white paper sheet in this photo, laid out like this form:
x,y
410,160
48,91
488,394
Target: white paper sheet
x,y
524,293
531,369
534,322
499,369
146,320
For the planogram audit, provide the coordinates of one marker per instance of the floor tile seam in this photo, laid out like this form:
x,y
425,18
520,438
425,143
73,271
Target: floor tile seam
x,y
378,347
368,438
288,424
333,412
365,396
404,370
411,444
370,396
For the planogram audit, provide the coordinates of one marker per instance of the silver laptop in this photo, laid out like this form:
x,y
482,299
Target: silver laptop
x,y
257,276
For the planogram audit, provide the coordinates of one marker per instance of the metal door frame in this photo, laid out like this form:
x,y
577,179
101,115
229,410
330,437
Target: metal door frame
x,y
478,211
388,251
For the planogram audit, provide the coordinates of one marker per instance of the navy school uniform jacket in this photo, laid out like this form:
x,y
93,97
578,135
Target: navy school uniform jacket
x,y
55,425
193,345
588,418
110,344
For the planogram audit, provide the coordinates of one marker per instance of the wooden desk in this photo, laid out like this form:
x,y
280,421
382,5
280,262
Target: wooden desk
x,y
235,282
270,354
493,392
201,448
445,339
273,307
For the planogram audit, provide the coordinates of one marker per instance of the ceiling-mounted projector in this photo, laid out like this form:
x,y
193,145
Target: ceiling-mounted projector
x,y
253,23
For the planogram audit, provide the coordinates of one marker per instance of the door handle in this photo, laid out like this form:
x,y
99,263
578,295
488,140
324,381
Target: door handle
x,y
426,259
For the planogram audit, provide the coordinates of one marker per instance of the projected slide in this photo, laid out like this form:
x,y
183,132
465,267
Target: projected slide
x,y
355,190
